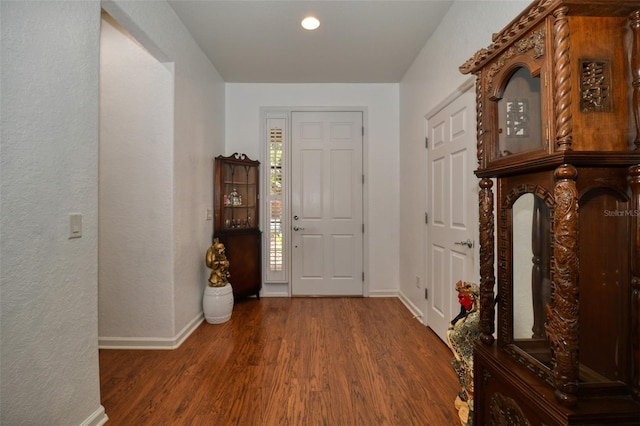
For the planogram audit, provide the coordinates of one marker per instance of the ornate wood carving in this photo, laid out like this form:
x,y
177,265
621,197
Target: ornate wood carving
x,y
562,313
487,274
526,20
595,85
562,79
635,72
532,45
542,197
634,183
505,292
506,412
480,133
486,376
540,238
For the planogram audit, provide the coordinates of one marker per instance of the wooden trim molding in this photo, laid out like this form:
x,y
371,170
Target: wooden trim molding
x,y
487,255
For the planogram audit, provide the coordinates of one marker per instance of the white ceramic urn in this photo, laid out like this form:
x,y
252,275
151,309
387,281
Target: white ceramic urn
x,y
217,304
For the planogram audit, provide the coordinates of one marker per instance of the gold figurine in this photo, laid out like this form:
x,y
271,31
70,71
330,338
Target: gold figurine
x,y
218,263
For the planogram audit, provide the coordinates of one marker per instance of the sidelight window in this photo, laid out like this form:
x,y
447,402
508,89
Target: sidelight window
x,y
275,262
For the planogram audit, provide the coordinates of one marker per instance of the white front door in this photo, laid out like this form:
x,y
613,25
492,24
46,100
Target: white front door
x,y
326,204
452,208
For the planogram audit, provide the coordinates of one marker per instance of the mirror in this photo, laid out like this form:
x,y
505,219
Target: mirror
x,y
522,264
531,274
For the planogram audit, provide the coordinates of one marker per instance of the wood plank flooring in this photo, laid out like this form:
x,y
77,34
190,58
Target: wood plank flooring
x,y
281,361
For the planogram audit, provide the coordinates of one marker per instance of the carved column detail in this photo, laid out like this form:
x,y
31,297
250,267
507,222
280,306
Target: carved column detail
x,y
562,313
479,122
487,273
634,23
634,183
562,80
506,411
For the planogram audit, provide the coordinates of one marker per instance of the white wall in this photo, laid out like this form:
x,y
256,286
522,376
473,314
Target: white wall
x,y
243,103
49,168
432,77
198,136
135,245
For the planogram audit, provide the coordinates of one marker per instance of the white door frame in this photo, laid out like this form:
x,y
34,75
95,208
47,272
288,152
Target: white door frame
x,y
286,112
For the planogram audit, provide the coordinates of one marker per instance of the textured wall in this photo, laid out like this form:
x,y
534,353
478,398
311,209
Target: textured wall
x,y
49,168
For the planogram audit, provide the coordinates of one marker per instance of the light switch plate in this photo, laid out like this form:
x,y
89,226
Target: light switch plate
x,y
75,225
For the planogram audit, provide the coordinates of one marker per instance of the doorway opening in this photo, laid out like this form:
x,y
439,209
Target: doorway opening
x,y
135,191
452,194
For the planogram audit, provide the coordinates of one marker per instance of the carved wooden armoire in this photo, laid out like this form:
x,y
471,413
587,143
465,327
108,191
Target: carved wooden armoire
x,y
558,128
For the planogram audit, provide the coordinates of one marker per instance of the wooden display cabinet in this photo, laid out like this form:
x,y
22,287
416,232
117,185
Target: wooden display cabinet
x,y
236,221
558,127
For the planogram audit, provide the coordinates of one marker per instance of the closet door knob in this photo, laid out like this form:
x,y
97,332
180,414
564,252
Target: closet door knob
x,y
467,243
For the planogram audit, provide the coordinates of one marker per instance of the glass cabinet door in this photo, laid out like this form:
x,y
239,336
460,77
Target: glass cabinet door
x,y
240,196
519,116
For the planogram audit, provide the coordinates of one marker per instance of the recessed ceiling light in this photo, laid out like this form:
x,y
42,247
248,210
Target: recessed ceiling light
x,y
310,23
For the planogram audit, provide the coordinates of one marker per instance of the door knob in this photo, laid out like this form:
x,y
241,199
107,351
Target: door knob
x,y
298,228
296,217
467,243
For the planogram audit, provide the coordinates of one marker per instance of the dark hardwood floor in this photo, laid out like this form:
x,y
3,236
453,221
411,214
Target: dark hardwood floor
x,y
299,361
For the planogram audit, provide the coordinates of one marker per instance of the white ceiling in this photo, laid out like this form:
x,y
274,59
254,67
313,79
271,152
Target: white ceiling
x,y
358,41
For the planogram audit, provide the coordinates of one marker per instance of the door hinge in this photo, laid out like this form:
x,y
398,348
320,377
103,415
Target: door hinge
x,y
426,218
363,179
426,293
426,142
362,275
362,130
363,228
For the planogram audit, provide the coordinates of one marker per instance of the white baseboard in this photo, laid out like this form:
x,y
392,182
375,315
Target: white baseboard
x,y
151,342
275,294
417,313
98,418
383,293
